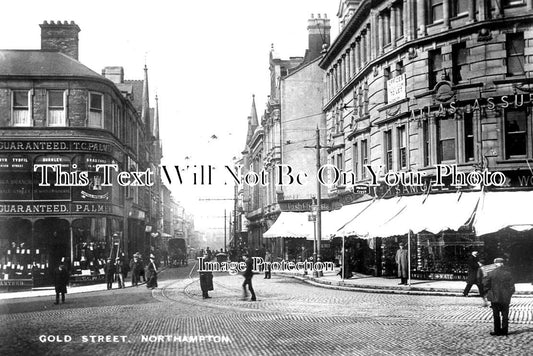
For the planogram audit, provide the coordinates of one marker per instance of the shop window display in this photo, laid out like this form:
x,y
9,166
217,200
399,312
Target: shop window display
x,y
94,241
21,262
443,255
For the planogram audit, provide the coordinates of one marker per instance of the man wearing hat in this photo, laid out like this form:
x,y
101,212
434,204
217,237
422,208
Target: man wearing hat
x,y
109,273
401,261
151,283
473,267
119,272
499,286
135,266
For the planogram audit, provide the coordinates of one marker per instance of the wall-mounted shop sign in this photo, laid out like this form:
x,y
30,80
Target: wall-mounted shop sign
x,y
301,206
18,163
53,208
396,88
492,103
16,283
52,145
53,191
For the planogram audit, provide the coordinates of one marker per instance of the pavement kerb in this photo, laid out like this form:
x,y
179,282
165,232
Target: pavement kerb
x,y
340,285
50,291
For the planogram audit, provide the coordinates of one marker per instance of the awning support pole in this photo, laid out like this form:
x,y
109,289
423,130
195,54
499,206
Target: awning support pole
x,y
343,264
409,258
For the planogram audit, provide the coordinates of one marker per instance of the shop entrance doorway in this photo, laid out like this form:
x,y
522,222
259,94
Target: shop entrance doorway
x,y
53,239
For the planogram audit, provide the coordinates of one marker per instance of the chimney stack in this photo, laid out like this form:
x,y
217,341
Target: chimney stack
x,y
114,74
319,35
61,37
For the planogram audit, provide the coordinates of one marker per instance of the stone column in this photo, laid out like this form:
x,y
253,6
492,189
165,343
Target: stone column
x,y
352,60
381,35
357,53
393,28
348,65
407,20
399,25
334,80
446,14
529,5
472,10
342,70
499,8
363,44
482,10
368,36
328,92
421,17
386,28
372,49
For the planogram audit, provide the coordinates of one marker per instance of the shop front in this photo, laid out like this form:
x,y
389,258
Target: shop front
x,y
50,215
441,230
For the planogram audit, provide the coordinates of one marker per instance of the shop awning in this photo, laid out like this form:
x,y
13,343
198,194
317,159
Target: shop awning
x,y
432,213
373,216
500,210
332,221
291,225
297,224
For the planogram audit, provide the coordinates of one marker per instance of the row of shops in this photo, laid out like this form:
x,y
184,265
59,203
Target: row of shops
x,y
440,230
43,223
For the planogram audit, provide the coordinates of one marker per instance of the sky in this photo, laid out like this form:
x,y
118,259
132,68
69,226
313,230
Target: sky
x,y
205,61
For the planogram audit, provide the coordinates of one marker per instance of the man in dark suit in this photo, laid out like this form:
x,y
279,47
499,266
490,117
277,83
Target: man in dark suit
x,y
248,274
60,282
500,287
473,273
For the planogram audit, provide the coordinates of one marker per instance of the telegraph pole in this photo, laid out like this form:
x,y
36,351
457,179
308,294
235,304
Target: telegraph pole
x,y
318,203
318,222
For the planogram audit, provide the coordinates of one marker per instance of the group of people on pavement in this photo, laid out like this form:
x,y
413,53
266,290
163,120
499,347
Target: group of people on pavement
x,y
118,270
114,270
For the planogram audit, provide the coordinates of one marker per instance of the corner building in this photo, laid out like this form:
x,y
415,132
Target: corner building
x,y
54,110
414,84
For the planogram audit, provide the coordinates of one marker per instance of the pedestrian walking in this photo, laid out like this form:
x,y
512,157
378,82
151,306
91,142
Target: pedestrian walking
x,y
206,280
152,273
248,275
60,282
475,277
109,270
119,272
268,268
401,261
499,285
142,273
135,267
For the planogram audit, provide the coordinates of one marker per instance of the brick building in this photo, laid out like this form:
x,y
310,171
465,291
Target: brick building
x,y
411,85
56,111
289,122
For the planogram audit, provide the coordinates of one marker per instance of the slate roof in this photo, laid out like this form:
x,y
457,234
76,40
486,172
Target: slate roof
x,y
41,63
137,92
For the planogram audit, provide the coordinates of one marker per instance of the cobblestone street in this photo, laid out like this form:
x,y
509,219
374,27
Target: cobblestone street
x,y
289,317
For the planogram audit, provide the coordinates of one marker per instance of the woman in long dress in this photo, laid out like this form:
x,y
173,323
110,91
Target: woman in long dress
x,y
152,273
